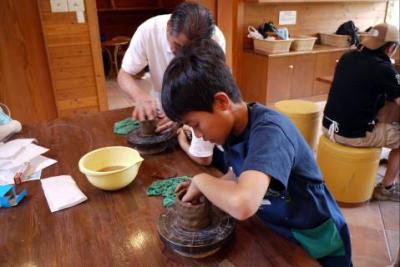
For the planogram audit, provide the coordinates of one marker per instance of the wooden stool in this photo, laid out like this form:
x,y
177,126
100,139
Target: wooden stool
x,y
349,172
116,44
305,115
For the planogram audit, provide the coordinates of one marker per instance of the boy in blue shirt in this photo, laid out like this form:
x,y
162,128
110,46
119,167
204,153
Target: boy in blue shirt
x,y
278,178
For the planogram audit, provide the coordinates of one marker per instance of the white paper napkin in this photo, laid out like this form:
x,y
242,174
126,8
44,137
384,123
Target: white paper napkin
x,y
25,154
11,148
62,192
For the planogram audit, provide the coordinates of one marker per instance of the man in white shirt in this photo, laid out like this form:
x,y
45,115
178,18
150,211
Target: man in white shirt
x,y
154,44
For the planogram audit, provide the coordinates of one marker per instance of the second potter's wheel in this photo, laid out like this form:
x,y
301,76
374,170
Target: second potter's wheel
x,y
196,244
153,144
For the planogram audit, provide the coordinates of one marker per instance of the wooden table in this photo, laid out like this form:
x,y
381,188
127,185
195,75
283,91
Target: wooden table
x,y
116,228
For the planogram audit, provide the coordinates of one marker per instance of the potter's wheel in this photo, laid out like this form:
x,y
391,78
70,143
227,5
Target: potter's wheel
x,y
152,144
198,244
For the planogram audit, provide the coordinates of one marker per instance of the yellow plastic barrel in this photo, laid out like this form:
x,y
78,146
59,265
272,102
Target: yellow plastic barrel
x,y
349,172
305,115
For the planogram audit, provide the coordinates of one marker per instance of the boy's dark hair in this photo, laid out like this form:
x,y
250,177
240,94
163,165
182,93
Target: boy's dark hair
x,y
193,77
193,20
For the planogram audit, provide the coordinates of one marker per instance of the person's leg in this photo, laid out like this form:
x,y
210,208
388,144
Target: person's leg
x,y
388,189
392,170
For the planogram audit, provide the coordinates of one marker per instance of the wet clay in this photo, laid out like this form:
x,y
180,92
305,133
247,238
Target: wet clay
x,y
148,127
192,216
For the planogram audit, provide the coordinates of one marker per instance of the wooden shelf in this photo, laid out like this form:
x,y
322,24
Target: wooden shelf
x,y
317,49
130,9
309,1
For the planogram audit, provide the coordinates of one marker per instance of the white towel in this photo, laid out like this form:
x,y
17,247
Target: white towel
x,y
62,192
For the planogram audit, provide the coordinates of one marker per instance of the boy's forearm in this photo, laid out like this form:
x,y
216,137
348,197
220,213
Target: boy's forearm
x,y
224,194
240,199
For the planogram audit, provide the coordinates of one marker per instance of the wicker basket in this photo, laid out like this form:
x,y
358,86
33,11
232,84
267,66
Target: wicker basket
x,y
272,46
337,40
303,43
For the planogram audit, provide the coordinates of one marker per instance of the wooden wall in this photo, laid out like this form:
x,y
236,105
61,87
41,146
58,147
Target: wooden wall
x,y
122,17
25,84
313,18
75,60
211,5
234,16
124,22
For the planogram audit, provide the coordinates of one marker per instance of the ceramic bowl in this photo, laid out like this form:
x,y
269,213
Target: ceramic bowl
x,y
111,168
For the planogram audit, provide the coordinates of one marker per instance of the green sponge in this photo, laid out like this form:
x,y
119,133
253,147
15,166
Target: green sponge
x,y
125,126
166,188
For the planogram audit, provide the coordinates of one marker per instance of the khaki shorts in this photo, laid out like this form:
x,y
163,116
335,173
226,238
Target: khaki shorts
x,y
386,132
383,135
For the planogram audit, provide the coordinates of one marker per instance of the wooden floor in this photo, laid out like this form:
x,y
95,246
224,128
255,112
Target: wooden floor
x,y
374,227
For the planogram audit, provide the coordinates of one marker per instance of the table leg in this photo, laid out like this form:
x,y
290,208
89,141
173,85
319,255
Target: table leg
x,y
116,49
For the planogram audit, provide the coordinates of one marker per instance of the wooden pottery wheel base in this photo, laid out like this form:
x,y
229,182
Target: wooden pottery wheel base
x,y
197,256
196,244
147,145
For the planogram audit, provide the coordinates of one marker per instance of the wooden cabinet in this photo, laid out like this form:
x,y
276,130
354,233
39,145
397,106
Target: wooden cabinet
x,y
273,78
270,78
290,77
325,66
280,69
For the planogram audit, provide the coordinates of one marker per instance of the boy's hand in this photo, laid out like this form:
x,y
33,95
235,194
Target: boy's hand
x,y
164,123
192,192
182,138
182,186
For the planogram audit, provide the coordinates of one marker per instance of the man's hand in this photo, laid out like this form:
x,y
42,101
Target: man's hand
x,y
145,107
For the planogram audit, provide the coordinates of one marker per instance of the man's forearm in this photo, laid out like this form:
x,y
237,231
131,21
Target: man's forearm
x,y
129,85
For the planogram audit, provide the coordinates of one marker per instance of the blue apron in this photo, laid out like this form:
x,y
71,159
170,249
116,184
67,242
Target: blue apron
x,y
304,212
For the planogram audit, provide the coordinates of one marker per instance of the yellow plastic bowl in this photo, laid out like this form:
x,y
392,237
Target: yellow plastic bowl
x,y
111,168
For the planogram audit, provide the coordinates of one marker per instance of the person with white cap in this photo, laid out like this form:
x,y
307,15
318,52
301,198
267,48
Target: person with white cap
x,y
362,109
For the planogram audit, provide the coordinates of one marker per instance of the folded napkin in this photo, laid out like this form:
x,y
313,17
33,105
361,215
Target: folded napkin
x,y
62,192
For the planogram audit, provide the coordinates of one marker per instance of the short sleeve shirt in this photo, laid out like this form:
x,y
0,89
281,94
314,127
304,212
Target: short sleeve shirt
x,y
149,46
362,82
297,196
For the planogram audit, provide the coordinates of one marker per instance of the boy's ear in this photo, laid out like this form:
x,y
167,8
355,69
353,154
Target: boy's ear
x,y
221,101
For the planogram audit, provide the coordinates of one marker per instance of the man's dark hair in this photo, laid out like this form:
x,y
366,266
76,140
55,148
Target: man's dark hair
x,y
193,20
193,77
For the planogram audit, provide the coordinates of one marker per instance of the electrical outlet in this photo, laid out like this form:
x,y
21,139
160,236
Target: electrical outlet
x,y
59,5
76,5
